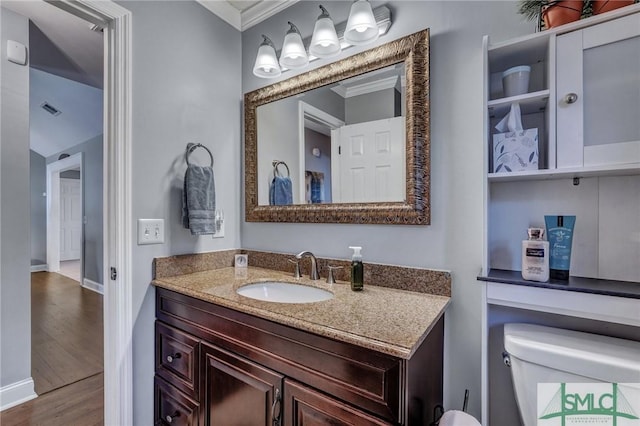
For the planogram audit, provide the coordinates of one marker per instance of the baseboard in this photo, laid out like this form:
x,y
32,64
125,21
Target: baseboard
x,y
92,285
17,393
39,268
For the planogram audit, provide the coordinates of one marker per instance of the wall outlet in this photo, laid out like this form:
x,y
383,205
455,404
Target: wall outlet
x,y
150,231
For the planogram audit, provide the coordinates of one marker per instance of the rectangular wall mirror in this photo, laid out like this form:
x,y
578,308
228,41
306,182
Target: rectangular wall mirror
x,y
352,137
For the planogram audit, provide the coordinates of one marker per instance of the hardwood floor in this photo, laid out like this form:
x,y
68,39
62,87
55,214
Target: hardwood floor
x,y
80,404
66,331
66,355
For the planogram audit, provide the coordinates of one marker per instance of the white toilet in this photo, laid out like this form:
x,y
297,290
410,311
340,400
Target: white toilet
x,y
540,354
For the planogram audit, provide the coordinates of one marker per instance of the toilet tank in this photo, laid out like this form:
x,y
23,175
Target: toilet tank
x,y
542,354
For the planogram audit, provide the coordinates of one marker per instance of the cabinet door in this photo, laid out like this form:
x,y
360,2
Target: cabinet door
x,y
598,75
238,392
304,406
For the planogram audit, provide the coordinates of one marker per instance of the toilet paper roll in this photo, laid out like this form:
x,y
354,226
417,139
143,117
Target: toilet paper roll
x,y
457,418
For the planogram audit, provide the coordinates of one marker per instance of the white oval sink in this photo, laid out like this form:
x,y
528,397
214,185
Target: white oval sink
x,y
281,292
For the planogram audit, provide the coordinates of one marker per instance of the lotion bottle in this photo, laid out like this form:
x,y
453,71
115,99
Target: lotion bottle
x,y
535,256
357,269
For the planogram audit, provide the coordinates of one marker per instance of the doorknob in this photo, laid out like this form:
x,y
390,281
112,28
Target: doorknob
x,y
570,98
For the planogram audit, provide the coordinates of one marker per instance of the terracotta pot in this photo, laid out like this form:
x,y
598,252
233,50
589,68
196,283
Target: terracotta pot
x,y
602,6
562,12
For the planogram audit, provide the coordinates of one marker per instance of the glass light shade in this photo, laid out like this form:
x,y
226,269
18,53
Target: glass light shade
x,y
266,65
324,42
293,53
361,25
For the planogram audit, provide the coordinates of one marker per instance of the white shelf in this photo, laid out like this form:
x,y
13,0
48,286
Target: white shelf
x,y
568,173
612,309
529,103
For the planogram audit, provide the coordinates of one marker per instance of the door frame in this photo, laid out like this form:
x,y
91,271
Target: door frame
x,y
53,210
117,195
306,110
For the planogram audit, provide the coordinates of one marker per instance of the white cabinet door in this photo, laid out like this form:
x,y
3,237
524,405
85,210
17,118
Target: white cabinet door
x,y
598,93
371,164
70,219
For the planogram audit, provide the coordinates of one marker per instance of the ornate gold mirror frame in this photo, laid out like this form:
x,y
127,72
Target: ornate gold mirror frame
x,y
413,50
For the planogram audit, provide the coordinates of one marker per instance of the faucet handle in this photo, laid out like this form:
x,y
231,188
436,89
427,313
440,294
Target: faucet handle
x,y
296,271
330,277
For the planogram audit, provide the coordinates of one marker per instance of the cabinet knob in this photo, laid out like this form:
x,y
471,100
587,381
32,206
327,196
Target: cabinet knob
x,y
570,98
170,418
170,358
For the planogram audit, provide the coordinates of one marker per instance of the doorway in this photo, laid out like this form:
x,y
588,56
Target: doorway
x,y
118,328
65,213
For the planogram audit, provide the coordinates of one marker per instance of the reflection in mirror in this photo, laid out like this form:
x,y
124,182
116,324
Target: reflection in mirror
x,y
344,143
341,143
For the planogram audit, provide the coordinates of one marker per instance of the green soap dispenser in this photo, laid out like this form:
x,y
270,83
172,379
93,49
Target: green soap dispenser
x,y
357,269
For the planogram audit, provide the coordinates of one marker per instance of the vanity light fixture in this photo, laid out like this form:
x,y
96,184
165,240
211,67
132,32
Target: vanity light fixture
x,y
266,65
361,25
324,42
293,53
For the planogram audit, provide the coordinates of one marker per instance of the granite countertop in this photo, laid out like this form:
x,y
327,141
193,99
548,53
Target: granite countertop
x,y
387,320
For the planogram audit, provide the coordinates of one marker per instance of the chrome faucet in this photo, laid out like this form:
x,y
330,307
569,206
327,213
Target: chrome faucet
x,y
314,264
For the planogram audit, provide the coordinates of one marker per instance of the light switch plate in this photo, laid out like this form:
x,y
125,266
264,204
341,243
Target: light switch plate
x,y
16,52
150,231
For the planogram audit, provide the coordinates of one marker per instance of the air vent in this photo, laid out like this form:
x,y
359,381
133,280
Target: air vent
x,y
50,109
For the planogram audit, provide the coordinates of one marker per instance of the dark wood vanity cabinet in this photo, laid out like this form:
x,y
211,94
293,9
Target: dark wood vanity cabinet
x,y
237,391
219,366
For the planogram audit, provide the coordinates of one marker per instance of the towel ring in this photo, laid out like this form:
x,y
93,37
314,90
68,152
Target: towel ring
x,y
276,163
192,147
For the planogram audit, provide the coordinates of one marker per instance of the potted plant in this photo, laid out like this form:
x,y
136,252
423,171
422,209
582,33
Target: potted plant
x,y
602,6
553,12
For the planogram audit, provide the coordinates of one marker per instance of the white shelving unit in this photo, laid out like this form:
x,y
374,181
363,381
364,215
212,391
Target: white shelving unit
x,y
605,199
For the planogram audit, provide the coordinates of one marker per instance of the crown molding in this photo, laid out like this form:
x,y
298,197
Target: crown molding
x,y
248,18
263,10
364,88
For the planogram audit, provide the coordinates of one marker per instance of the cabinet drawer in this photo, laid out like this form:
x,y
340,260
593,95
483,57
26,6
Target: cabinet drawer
x,y
177,355
172,408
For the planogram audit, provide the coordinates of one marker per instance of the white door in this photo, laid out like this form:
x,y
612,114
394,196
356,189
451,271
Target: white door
x,y
70,219
371,162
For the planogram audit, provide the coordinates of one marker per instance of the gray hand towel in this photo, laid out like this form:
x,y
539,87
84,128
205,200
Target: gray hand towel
x,y
199,200
280,191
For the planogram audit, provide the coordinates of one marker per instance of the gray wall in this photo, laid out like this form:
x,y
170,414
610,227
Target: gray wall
x,y
91,205
186,88
278,140
372,106
454,238
15,288
38,184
